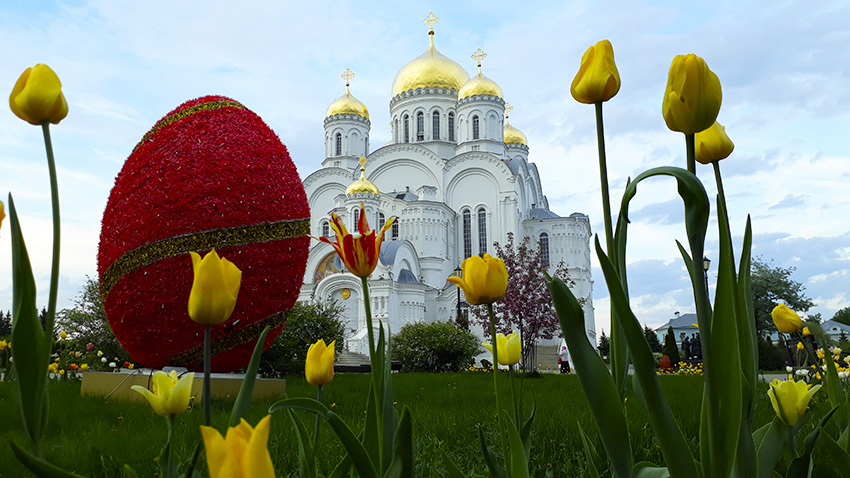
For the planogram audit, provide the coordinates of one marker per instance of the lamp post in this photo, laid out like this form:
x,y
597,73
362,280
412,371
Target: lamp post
x,y
706,263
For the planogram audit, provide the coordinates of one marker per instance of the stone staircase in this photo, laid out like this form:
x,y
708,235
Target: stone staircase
x,y
547,359
352,362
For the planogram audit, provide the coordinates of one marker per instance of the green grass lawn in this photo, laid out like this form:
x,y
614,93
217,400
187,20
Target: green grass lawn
x,y
94,438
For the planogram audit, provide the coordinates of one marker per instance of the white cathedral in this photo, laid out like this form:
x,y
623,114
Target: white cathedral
x,y
457,176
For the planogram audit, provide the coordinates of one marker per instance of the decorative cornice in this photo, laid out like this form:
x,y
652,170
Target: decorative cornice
x,y
350,117
342,173
428,90
481,98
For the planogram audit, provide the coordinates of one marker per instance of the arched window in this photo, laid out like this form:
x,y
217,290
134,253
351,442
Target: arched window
x,y
451,126
482,231
394,234
326,229
544,249
435,126
420,126
467,233
356,218
406,128
395,130
381,220
475,128
338,144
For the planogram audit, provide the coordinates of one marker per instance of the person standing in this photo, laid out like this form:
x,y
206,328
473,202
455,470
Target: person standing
x,y
564,357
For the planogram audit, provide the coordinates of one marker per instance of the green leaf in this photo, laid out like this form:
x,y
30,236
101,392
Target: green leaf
x,y
31,351
128,472
39,467
371,432
801,467
769,442
839,458
190,465
835,390
243,400
389,417
402,463
747,340
342,469
598,385
525,432
360,459
677,454
451,469
519,459
589,453
645,469
306,455
496,471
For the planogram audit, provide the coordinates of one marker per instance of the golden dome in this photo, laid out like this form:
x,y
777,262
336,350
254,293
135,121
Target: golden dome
x,y
347,105
479,84
430,69
362,185
513,135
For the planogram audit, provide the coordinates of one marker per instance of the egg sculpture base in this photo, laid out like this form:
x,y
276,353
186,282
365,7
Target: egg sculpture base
x,y
210,174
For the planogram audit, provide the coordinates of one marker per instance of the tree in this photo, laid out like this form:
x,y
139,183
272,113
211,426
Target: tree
x,y
526,306
821,337
5,324
652,339
604,345
772,284
86,321
842,316
670,349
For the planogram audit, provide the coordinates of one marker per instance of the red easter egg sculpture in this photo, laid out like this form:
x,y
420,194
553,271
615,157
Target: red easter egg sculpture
x,y
210,174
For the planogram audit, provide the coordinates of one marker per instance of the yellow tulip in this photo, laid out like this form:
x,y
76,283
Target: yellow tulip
x,y
806,331
692,98
790,399
2,212
63,335
214,290
510,348
597,78
37,96
785,319
319,367
170,396
3,345
800,346
242,453
484,281
713,144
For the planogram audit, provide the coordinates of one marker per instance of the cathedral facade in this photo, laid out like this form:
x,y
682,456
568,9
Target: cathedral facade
x,y
458,178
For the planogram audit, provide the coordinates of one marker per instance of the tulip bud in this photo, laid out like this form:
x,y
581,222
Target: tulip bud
x,y
37,96
790,399
509,347
713,144
692,98
800,346
168,395
243,452
785,319
214,289
319,366
597,78
485,280
806,331
2,213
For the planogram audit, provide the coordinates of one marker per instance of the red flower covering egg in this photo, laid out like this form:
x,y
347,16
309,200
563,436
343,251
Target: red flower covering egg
x,y
210,174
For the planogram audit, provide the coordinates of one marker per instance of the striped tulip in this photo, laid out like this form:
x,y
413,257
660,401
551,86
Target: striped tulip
x,y
358,252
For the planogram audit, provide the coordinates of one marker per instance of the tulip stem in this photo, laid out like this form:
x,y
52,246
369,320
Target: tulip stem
x,y
54,195
318,423
513,397
603,179
207,394
690,147
495,343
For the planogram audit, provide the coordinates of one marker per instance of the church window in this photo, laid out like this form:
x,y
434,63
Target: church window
x,y
420,126
467,233
482,231
338,144
326,229
475,128
394,231
544,249
451,126
406,128
356,218
395,129
435,126
381,220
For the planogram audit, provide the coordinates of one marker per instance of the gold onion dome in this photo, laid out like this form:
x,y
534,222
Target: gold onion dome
x,y
513,135
479,84
362,185
430,69
347,104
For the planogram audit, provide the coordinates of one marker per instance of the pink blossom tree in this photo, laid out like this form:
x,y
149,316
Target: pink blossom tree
x,y
526,306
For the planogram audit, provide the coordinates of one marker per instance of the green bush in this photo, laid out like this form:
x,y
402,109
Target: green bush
x,y
306,323
434,347
670,349
770,358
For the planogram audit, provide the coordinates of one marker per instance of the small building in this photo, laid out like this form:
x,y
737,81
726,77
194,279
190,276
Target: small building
x,y
684,325
834,329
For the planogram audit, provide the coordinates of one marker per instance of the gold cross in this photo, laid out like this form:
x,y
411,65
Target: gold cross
x,y
347,75
508,109
430,20
478,56
362,162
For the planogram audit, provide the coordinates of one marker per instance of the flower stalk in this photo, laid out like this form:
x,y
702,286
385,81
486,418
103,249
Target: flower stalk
x,y
207,392
54,199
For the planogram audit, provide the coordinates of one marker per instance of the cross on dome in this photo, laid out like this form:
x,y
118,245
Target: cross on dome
x,y
430,20
508,109
362,162
347,75
478,56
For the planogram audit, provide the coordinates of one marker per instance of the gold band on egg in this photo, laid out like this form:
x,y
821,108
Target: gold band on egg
x,y
210,105
228,341
199,241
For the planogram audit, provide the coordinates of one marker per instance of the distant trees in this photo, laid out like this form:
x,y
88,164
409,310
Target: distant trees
x,y
86,321
652,339
842,316
670,349
604,345
772,284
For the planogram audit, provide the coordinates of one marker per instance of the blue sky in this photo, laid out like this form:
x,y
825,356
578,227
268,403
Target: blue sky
x,y
786,105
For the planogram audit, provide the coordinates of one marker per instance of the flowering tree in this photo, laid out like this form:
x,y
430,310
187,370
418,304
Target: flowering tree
x,y
526,306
